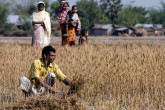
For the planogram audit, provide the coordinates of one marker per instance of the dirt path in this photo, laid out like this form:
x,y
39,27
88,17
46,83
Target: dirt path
x,y
92,40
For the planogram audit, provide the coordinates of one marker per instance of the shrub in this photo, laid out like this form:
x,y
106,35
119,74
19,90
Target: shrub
x,y
20,33
56,33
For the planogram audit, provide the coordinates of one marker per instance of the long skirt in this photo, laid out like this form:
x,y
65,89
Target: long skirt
x,y
38,36
70,40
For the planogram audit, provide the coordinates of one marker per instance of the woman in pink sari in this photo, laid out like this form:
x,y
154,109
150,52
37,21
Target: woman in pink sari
x,y
41,26
67,29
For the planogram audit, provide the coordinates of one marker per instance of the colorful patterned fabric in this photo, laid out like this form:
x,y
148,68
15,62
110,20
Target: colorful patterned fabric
x,y
70,40
62,16
62,19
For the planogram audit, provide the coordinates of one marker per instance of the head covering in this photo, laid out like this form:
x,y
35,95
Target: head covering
x,y
63,13
62,4
41,2
43,16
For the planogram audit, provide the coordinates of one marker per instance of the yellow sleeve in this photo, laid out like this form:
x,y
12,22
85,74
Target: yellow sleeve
x,y
59,74
35,70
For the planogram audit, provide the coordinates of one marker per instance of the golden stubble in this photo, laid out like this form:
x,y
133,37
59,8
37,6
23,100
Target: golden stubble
x,y
117,76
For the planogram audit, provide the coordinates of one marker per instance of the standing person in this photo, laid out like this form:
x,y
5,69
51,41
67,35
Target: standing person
x,y
42,74
68,35
75,18
84,37
41,26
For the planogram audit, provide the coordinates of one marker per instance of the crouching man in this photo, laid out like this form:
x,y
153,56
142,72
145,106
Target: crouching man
x,y
42,75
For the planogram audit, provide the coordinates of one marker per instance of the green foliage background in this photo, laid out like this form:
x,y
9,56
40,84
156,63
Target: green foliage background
x,y
90,12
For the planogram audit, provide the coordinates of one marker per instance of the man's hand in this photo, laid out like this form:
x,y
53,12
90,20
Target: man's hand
x,y
40,82
73,88
51,90
66,81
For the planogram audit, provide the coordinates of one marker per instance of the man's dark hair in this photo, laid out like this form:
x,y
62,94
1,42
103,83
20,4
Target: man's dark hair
x,y
47,49
83,32
73,6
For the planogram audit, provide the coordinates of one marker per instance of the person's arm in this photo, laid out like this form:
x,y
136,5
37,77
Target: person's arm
x,y
80,41
87,40
72,89
75,21
61,77
40,82
66,81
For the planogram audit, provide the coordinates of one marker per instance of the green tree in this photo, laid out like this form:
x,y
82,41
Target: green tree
x,y
27,9
3,14
130,16
112,9
158,16
90,13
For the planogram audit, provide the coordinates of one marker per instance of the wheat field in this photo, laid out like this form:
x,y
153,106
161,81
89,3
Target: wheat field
x,y
107,77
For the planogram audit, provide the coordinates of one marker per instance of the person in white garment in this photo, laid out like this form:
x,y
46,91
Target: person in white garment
x,y
41,26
